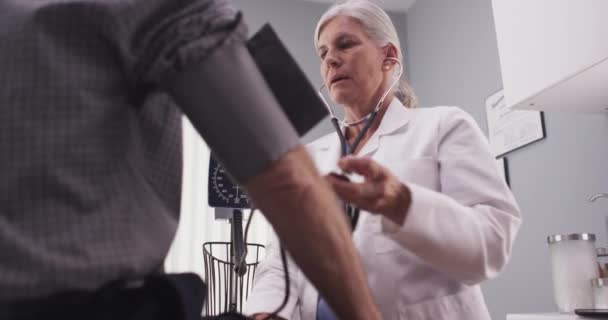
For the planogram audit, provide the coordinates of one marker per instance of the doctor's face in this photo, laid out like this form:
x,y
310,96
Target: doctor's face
x,y
351,63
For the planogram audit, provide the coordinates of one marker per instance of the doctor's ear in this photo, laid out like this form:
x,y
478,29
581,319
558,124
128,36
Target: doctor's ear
x,y
391,54
389,62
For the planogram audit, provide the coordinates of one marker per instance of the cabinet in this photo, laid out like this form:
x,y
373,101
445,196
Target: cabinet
x,y
553,53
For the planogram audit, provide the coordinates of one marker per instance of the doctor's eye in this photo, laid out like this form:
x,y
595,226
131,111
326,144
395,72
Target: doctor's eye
x,y
346,42
322,54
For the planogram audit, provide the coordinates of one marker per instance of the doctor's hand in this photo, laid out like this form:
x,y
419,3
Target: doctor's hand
x,y
380,193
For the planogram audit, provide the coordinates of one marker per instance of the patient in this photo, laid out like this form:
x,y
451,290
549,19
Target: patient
x,y
91,97
437,219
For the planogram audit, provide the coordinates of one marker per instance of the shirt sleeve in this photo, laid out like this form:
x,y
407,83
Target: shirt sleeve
x,y
195,50
158,39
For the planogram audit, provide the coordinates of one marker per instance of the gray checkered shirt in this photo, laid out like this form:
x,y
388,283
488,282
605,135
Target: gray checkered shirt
x,y
90,149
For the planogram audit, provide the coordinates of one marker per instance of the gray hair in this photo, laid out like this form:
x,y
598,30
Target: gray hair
x,y
379,27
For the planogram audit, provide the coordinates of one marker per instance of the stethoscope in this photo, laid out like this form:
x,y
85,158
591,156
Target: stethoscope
x,y
345,147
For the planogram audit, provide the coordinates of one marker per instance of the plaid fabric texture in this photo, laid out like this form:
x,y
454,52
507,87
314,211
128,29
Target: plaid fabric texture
x,y
90,146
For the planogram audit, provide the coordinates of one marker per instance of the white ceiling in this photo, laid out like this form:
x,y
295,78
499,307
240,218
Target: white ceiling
x,y
392,5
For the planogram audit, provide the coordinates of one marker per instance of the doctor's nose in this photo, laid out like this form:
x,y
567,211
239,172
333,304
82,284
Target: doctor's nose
x,y
332,61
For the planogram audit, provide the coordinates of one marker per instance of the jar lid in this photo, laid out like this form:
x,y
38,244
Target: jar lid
x,y
599,282
601,252
573,236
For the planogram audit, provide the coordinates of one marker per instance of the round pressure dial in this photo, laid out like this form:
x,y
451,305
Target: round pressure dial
x,y
223,192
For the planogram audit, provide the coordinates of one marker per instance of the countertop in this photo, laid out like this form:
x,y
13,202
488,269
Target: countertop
x,y
544,316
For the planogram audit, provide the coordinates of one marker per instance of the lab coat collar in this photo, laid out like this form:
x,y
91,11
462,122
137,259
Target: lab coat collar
x,y
395,118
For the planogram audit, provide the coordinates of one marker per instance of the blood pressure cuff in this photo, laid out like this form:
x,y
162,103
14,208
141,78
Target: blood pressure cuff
x,y
298,98
250,104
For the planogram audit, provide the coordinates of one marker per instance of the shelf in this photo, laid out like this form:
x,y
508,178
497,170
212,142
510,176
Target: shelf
x,y
586,91
553,54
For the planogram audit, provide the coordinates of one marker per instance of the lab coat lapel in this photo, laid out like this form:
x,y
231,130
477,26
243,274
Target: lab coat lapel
x,y
327,153
396,117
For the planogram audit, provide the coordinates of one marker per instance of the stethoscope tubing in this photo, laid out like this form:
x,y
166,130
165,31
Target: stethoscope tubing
x,y
345,148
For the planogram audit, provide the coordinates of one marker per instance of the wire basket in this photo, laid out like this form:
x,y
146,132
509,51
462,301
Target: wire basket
x,y
226,290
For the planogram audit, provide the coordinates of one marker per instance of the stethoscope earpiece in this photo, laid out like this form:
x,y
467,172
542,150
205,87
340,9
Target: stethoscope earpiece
x,y
387,63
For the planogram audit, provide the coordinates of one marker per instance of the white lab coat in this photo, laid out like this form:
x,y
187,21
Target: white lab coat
x,y
459,229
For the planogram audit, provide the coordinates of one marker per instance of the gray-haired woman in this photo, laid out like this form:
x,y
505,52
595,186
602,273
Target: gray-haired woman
x,y
436,218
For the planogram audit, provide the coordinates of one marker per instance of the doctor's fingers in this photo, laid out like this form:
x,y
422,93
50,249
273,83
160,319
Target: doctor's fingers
x,y
364,166
363,194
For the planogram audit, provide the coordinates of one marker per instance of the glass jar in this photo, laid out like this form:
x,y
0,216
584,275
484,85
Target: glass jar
x,y
602,261
574,265
600,293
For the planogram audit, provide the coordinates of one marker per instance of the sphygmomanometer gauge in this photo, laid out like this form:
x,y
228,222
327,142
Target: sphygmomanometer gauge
x,y
223,192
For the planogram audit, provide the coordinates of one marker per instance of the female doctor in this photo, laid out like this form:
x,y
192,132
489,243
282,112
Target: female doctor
x,y
436,217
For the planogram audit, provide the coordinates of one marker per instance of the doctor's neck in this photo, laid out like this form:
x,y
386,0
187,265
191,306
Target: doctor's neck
x,y
361,107
354,114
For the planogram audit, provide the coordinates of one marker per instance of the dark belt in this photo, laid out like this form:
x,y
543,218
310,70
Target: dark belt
x,y
169,296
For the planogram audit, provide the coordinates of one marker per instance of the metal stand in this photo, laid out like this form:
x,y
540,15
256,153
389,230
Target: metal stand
x,y
237,255
230,268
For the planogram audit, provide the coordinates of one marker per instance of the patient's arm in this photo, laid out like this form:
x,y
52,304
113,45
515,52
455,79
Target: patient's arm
x,y
302,209
278,173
